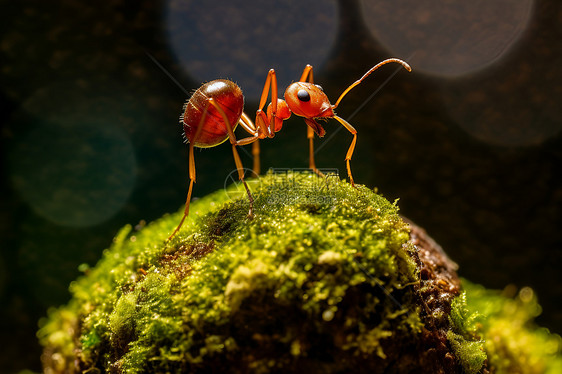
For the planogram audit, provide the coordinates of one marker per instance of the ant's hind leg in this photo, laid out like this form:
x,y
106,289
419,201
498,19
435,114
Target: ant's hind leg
x,y
188,199
191,174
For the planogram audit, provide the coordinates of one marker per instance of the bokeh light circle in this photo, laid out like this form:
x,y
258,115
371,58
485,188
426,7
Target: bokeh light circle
x,y
75,166
448,38
241,40
492,110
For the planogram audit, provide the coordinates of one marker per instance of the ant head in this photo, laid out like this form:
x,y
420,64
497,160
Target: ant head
x,y
308,100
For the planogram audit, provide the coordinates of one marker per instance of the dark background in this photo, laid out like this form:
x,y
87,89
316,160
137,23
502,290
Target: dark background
x,y
469,142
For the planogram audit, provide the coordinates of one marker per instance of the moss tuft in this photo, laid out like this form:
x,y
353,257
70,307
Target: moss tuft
x,y
463,337
513,343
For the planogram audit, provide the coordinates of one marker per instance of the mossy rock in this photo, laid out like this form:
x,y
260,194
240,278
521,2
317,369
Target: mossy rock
x,y
325,278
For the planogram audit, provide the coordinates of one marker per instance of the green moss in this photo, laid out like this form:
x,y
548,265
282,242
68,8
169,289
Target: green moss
x,y
322,279
463,337
314,248
513,343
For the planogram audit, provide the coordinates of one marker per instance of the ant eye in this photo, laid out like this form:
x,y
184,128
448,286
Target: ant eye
x,y
303,95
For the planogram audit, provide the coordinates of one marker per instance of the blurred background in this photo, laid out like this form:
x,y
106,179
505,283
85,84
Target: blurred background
x,y
90,93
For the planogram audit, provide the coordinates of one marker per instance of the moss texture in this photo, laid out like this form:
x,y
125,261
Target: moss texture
x,y
326,278
512,341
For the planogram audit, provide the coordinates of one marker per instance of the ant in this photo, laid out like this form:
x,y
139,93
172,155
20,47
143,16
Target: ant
x,y
214,110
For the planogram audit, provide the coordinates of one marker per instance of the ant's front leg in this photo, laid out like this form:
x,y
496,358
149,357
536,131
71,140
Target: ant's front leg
x,y
352,130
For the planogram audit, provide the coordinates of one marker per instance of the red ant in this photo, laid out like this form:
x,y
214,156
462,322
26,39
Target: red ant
x,y
209,115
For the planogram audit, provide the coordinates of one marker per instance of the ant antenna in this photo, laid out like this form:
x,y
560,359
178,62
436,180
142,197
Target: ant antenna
x,y
403,63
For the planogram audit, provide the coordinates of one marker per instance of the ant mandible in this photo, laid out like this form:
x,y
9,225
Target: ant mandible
x,y
214,110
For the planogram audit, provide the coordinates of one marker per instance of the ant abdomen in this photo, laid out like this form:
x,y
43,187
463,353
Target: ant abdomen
x,y
212,130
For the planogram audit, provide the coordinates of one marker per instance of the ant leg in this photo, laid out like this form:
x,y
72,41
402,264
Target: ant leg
x,y
255,151
237,160
307,75
249,126
256,155
403,63
240,169
191,174
307,72
265,124
352,130
311,163
188,199
310,136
